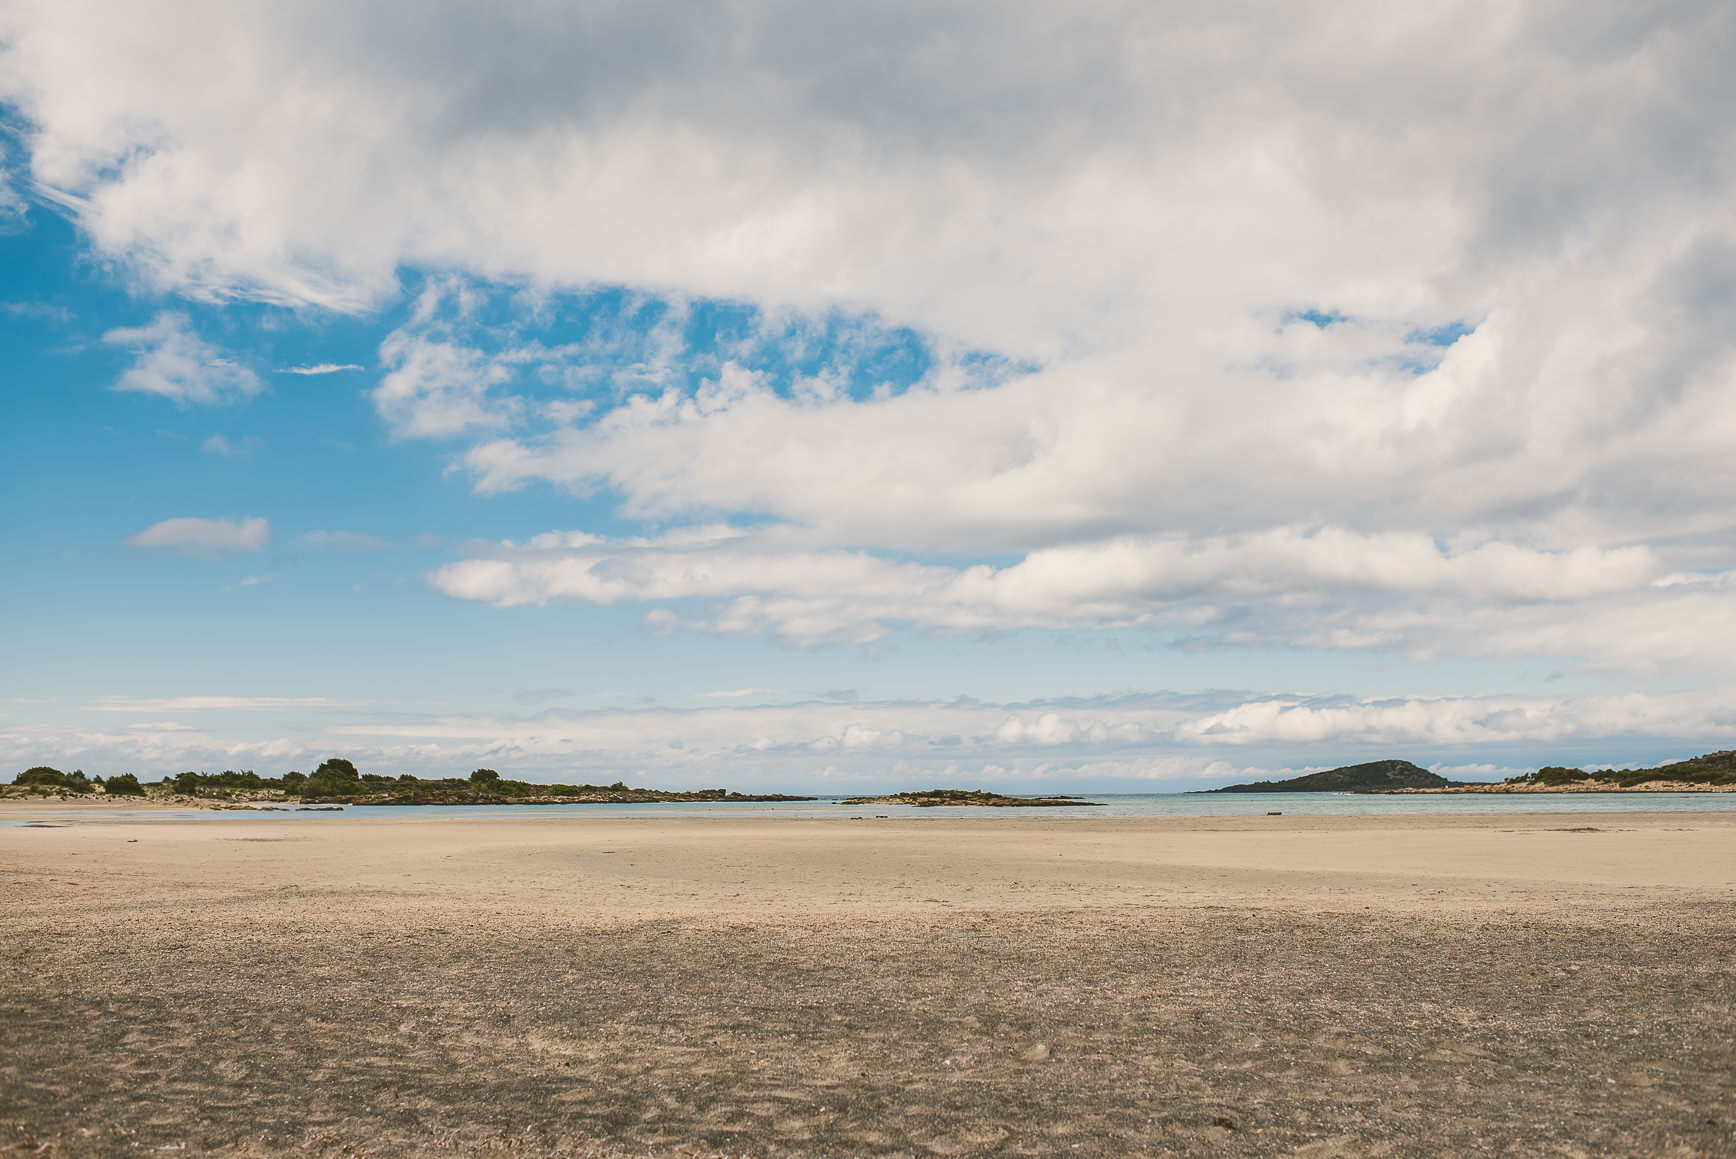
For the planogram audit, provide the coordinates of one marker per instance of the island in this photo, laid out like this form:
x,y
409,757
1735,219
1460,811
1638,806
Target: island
x,y
929,798
1707,773
337,782
1372,777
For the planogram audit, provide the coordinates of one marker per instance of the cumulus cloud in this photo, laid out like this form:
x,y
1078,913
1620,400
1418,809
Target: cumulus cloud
x,y
1154,741
1340,325
434,389
1324,587
175,363
205,538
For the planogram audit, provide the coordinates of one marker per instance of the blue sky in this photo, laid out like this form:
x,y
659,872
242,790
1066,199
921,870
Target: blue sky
x,y
634,422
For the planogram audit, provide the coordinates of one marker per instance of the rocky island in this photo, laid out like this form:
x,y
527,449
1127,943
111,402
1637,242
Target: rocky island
x,y
929,798
1372,777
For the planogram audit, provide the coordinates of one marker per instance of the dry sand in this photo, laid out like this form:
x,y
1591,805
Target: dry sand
x,y
1424,985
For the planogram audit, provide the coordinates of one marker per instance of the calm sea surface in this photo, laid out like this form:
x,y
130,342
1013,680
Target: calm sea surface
x,y
1114,805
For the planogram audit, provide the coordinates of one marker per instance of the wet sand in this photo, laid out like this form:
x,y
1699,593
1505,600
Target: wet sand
x,y
1006,985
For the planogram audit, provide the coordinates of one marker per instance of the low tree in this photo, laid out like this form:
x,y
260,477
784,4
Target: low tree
x,y
335,777
484,776
123,785
43,777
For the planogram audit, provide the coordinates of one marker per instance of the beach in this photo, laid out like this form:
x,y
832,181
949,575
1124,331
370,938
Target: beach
x,y
1344,985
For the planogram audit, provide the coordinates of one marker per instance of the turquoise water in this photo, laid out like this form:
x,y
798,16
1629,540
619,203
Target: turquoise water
x,y
1114,805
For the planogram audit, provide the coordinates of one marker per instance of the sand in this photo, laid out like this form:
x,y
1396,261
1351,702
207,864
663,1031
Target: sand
x,y
1004,985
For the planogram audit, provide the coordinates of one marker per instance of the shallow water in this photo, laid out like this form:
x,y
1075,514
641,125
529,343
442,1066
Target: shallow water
x,y
1112,805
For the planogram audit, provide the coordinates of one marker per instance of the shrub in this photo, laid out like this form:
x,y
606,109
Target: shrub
x,y
44,777
483,776
123,785
40,775
334,778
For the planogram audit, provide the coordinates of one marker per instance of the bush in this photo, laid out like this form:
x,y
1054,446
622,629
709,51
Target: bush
x,y
484,776
46,778
40,775
335,777
123,785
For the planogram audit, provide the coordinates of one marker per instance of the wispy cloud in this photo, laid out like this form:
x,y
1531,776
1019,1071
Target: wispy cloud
x,y
319,368
173,362
205,703
220,444
205,538
533,696
343,541
732,693
45,311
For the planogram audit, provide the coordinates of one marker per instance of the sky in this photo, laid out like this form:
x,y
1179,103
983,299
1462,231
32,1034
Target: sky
x,y
1088,397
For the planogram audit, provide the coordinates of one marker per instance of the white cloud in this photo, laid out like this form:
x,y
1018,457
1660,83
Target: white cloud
x,y
12,205
1156,741
205,538
437,389
319,368
343,541
219,444
1225,246
204,703
177,364
1324,587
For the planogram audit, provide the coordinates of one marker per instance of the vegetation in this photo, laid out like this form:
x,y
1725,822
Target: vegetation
x,y
123,785
1717,768
43,777
1372,776
334,777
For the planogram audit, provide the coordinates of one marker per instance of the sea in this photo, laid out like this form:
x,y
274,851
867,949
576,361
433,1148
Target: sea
x,y
1111,805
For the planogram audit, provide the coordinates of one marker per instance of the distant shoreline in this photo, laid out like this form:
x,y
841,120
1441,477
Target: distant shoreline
x,y
1503,789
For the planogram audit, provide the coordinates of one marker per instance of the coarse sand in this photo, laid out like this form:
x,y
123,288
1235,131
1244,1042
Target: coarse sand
x,y
1521,984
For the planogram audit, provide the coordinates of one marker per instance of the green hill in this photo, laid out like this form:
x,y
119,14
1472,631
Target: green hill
x,y
1717,768
1373,775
